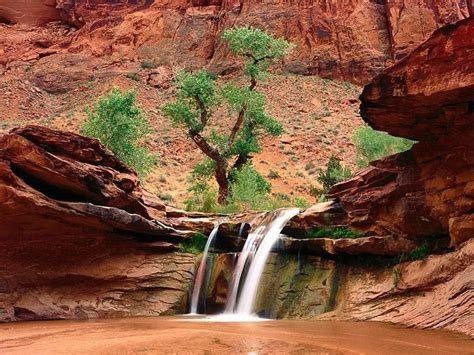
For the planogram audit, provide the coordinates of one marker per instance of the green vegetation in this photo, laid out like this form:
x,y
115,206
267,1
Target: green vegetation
x,y
335,233
148,65
249,192
419,253
193,245
133,76
372,145
332,174
199,97
120,125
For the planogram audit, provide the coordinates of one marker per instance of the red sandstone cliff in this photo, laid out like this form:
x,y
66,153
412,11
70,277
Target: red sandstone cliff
x,y
351,40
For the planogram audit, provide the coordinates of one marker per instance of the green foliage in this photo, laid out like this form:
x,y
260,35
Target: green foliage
x,y
273,174
133,76
333,173
257,47
419,253
194,245
249,192
148,65
120,125
372,145
199,97
335,233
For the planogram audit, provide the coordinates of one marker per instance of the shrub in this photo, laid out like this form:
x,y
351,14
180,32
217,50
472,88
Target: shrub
x,y
372,145
419,253
121,126
193,245
133,76
273,174
249,192
148,65
333,174
335,233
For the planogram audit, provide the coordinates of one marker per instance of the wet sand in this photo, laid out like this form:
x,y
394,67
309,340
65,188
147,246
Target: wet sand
x,y
173,335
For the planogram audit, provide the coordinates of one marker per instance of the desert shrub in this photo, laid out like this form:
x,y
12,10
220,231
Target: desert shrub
x,y
372,145
419,253
332,174
249,192
133,76
273,174
120,125
334,233
193,245
148,65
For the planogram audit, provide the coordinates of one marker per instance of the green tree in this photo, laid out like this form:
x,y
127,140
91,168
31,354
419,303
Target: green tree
x,y
333,173
121,126
199,96
372,145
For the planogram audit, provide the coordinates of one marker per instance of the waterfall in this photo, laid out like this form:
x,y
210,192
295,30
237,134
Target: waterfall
x,y
252,259
201,272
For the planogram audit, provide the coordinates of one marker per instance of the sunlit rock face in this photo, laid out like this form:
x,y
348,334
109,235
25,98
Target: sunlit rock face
x,y
427,191
349,40
32,12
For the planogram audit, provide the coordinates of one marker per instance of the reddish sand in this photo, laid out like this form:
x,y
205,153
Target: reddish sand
x,y
171,335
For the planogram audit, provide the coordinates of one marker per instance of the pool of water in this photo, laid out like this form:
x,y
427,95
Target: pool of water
x,y
199,336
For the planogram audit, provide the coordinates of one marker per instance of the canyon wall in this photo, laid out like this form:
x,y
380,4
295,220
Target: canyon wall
x,y
349,40
437,292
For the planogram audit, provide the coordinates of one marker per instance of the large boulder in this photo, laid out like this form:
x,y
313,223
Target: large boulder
x,y
30,12
426,191
80,238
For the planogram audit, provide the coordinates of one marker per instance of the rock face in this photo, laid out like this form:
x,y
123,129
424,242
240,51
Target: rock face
x,y
350,40
426,191
437,292
79,237
31,12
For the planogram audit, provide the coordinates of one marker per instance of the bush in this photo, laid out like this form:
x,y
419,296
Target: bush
x,y
273,174
333,174
148,65
372,145
121,126
335,233
249,192
193,245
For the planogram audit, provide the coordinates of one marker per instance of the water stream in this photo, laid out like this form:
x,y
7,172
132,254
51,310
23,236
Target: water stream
x,y
249,267
201,273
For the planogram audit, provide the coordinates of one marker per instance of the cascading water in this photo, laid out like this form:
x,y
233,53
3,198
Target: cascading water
x,y
252,259
201,273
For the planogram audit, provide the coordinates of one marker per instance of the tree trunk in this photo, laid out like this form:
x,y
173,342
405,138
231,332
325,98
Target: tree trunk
x,y
222,181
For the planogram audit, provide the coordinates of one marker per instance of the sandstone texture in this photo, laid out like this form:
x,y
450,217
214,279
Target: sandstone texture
x,y
79,237
426,191
349,40
29,12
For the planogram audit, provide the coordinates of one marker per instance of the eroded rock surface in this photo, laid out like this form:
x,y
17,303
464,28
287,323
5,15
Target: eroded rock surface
x,y
426,191
79,236
31,12
350,40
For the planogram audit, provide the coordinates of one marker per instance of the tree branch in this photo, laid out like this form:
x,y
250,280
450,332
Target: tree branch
x,y
205,147
204,114
237,126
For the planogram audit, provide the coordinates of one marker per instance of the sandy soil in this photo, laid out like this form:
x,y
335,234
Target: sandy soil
x,y
175,335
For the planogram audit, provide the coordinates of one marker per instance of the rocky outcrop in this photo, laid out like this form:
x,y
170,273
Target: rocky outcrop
x,y
30,12
79,236
349,40
425,191
437,292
